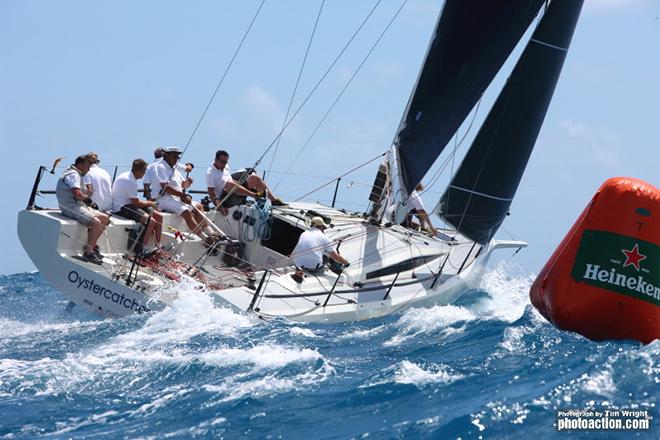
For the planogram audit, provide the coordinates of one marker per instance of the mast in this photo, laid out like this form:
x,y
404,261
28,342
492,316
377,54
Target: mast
x,y
480,193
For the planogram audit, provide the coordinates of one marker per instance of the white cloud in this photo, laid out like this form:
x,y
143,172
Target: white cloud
x,y
263,106
586,132
601,143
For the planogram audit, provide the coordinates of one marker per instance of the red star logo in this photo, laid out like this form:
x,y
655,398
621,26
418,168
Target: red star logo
x,y
633,257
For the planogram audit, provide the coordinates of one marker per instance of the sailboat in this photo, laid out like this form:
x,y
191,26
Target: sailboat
x,y
392,267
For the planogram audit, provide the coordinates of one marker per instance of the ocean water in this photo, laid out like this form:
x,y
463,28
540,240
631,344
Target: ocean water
x,y
487,367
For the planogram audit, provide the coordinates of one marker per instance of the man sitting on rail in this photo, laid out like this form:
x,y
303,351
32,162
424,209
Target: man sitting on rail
x,y
100,182
126,203
222,184
312,246
150,175
175,200
151,191
76,204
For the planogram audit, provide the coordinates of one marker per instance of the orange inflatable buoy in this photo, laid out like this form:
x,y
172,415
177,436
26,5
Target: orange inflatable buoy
x,y
603,281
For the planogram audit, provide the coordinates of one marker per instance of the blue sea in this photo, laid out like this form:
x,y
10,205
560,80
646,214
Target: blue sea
x,y
487,367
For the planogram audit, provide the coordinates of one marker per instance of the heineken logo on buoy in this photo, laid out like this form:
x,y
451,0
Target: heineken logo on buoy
x,y
620,264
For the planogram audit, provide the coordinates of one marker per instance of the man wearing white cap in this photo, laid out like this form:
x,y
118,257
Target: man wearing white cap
x,y
174,198
151,191
312,246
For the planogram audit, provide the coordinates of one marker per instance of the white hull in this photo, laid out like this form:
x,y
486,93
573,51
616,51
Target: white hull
x,y
380,280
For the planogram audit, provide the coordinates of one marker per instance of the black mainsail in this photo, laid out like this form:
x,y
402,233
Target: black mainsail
x,y
471,41
480,193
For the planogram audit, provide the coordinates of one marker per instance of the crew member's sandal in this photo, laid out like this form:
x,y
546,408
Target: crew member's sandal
x,y
209,241
91,257
97,252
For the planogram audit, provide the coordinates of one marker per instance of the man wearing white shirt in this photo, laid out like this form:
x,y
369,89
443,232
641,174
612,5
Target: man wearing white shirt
x,y
101,184
151,191
312,245
150,175
126,203
174,198
417,208
221,184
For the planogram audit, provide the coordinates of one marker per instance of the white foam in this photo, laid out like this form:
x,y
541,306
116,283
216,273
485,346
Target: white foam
x,y
508,293
305,332
601,383
261,356
166,396
233,388
12,329
192,314
410,373
362,334
513,339
426,320
163,339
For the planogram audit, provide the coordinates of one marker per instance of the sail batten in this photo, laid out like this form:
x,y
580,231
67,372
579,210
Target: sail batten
x,y
495,162
477,193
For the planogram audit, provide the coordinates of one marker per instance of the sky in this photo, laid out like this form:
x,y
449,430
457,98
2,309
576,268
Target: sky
x,y
122,77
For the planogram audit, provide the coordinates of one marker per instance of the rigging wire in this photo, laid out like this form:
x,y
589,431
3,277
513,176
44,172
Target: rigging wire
x,y
307,98
224,75
295,87
457,144
318,83
341,93
339,177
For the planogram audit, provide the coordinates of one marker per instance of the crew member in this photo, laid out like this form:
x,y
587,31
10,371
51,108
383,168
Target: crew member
x,y
100,182
417,209
221,182
149,174
174,198
312,245
76,204
126,203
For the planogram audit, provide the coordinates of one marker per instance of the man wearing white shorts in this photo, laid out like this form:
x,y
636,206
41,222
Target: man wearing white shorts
x,y
151,191
174,199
